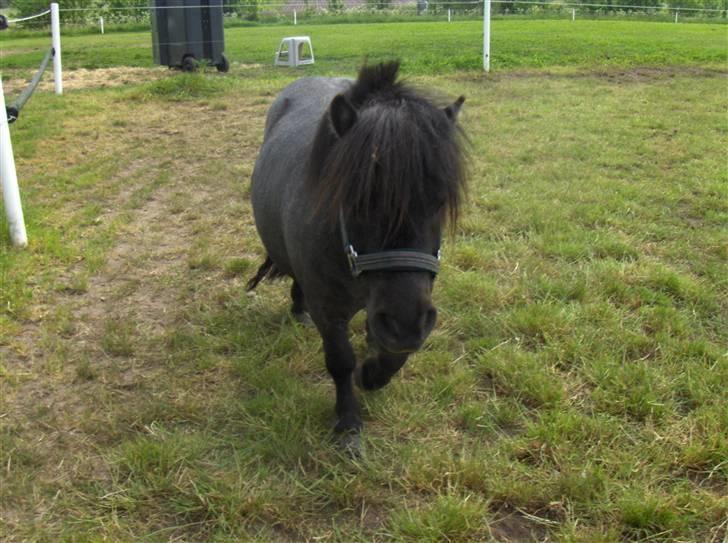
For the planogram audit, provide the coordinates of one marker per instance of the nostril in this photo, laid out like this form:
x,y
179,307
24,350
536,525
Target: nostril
x,y
388,324
429,320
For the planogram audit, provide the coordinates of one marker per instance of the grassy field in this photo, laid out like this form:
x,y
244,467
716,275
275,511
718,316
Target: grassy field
x,y
424,48
574,389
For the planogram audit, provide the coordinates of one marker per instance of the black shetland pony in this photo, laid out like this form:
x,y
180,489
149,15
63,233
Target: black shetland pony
x,y
351,190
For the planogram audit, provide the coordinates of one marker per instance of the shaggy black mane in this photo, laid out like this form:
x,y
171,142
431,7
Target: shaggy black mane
x,y
402,160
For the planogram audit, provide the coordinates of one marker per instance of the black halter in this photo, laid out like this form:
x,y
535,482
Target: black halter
x,y
392,260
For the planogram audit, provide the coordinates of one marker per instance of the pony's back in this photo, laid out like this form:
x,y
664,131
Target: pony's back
x,y
280,169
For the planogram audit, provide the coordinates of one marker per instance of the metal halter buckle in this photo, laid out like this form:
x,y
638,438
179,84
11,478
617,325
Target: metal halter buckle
x,y
351,256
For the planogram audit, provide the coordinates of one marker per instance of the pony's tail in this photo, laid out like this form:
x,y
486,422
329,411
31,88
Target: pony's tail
x,y
267,269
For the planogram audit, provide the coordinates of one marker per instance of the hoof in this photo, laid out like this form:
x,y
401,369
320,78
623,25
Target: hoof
x,y
348,435
303,318
350,444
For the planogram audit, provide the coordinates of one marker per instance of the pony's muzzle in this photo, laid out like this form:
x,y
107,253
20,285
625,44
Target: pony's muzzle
x,y
398,335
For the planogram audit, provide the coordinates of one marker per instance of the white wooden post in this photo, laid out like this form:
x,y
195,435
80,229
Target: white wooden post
x,y
573,15
56,42
9,179
295,20
448,15
101,24
486,35
676,12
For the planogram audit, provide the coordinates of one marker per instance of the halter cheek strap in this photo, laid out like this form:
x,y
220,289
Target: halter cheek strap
x,y
394,260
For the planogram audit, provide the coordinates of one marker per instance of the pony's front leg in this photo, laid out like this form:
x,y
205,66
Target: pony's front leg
x,y
378,370
341,361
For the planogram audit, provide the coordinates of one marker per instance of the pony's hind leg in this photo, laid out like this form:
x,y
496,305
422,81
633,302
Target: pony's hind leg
x,y
298,307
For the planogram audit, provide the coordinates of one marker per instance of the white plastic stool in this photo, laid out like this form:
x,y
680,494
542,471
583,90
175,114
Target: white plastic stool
x,y
293,51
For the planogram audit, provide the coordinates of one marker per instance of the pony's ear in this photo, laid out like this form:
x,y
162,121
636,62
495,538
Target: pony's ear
x,y
342,114
453,110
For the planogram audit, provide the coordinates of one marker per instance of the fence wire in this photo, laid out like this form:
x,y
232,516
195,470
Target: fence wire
x,y
338,7
13,110
302,6
29,17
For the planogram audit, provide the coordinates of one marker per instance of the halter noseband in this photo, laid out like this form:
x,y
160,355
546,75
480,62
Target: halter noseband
x,y
392,260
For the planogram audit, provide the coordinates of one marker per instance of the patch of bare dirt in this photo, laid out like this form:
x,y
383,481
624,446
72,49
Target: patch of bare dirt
x,y
108,77
618,75
98,78
640,74
517,527
16,51
82,78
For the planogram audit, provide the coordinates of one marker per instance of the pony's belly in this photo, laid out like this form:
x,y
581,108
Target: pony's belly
x,y
267,201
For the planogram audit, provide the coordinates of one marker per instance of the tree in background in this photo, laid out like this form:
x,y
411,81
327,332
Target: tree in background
x,y
441,6
514,7
700,4
610,6
336,6
123,11
27,8
379,4
245,9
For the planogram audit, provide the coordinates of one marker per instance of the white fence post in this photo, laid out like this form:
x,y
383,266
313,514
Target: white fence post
x,y
101,24
295,18
573,15
676,12
9,179
448,15
56,42
486,35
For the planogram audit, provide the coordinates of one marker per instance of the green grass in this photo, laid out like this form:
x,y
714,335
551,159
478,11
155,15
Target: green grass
x,y
573,390
424,47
